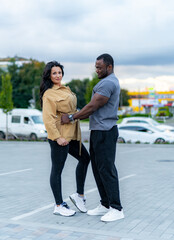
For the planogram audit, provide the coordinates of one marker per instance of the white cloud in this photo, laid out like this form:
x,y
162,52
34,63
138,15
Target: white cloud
x,y
135,32
128,29
142,77
162,83
130,77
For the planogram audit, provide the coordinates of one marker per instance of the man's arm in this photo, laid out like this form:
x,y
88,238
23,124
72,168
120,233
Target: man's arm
x,y
96,102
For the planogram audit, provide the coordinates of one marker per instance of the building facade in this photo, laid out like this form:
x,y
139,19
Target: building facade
x,y
143,101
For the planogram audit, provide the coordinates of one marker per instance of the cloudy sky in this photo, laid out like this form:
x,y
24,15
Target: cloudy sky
x,y
139,34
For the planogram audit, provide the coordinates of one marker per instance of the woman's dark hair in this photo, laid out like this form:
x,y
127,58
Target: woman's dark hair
x,y
46,80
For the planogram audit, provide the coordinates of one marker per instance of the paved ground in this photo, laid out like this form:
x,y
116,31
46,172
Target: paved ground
x,y
26,202
170,121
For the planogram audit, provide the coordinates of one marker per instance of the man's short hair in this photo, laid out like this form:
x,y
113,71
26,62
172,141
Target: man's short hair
x,y
107,59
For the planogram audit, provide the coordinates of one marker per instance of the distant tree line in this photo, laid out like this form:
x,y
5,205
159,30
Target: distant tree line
x,y
26,80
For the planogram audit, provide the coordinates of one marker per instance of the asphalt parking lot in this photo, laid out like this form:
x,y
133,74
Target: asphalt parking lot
x,y
26,201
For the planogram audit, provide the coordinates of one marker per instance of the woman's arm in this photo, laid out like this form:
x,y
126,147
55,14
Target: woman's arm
x,y
50,118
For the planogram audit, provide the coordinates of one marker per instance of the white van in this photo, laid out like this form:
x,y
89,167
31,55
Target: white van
x,y
23,122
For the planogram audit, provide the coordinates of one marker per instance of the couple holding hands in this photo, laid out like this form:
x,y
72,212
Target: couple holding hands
x,y
61,119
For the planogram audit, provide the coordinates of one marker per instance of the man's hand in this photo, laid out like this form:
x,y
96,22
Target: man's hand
x,y
65,119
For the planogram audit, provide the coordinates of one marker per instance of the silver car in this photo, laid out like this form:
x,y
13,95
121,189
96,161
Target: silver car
x,y
143,133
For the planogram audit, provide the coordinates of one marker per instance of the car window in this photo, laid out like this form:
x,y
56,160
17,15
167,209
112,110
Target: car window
x,y
133,121
16,119
136,128
162,109
142,121
137,121
154,122
26,120
131,128
142,129
37,119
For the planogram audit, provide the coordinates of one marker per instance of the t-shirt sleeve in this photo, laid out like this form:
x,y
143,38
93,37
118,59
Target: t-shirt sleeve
x,y
105,89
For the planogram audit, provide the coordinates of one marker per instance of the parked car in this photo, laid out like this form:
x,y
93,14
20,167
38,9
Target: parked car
x,y
164,112
149,121
25,123
143,133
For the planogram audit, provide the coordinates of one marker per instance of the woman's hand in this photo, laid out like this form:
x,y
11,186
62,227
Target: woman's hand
x,y
62,141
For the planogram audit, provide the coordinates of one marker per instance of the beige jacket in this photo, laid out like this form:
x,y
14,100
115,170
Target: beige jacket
x,y
56,101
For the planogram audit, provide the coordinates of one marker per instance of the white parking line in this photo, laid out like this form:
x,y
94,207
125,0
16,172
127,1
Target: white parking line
x,y
128,176
33,212
66,200
120,179
23,170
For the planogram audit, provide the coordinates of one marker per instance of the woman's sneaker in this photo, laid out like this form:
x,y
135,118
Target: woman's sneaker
x,y
63,210
98,211
79,202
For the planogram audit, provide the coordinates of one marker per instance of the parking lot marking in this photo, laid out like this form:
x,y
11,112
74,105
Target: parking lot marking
x,y
23,170
128,176
36,211
66,200
33,212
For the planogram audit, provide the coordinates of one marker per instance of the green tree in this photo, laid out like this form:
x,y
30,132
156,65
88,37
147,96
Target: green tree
x,y
13,70
124,97
79,88
30,75
1,74
25,81
6,102
90,86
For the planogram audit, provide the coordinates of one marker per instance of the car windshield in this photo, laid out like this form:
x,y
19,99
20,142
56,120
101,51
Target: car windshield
x,y
156,129
37,119
154,122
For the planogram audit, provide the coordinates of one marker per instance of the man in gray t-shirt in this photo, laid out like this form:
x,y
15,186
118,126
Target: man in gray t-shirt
x,y
105,117
102,110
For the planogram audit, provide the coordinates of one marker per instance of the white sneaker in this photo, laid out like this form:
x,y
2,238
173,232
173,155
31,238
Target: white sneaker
x,y
112,215
63,210
98,211
78,202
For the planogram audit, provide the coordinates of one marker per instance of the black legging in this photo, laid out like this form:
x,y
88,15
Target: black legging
x,y
58,157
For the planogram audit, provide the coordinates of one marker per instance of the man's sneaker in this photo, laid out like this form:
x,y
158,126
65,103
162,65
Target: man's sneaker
x,y
63,210
78,202
112,215
98,211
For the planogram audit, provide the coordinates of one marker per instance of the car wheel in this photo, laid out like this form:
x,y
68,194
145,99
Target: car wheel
x,y
2,135
160,140
33,137
120,140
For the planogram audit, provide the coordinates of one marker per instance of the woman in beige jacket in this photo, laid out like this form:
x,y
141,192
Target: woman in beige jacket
x,y
57,99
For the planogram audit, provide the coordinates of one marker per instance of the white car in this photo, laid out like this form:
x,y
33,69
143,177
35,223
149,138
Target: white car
x,y
143,133
25,123
149,121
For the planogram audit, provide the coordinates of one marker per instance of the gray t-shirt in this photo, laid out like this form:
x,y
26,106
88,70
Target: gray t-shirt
x,y
106,117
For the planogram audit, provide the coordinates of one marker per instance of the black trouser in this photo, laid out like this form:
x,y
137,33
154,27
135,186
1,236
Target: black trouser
x,y
102,152
58,157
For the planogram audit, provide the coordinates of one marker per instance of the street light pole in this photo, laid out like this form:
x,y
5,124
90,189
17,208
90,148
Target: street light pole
x,y
33,95
139,104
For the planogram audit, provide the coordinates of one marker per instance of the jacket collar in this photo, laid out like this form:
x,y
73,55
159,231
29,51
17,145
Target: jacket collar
x,y
57,87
